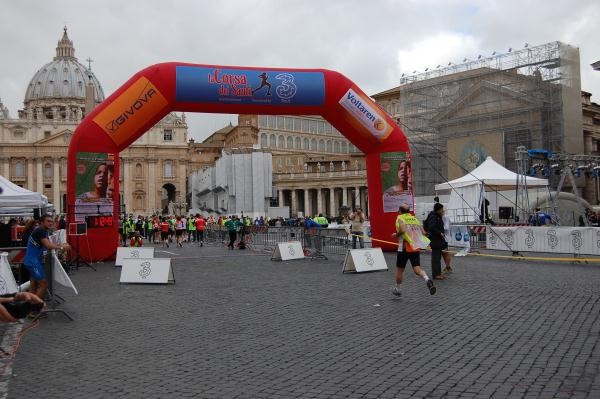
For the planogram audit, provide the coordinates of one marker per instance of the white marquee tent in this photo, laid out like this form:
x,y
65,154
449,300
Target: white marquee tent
x,y
469,190
16,200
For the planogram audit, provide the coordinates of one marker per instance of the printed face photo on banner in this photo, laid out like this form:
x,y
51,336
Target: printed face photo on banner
x,y
94,185
396,180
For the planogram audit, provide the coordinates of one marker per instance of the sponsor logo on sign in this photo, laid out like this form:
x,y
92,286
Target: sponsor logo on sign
x,y
135,106
364,110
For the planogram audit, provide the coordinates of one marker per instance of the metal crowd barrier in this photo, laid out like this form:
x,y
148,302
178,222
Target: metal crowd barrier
x,y
315,240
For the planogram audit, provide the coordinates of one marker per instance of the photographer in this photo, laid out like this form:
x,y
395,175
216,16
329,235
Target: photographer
x,y
357,219
19,305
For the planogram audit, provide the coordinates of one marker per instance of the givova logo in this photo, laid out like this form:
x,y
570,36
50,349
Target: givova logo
x,y
123,117
366,113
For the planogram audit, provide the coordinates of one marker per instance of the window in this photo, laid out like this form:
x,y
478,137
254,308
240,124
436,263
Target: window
x,y
168,135
280,124
138,170
168,169
290,142
262,121
47,185
280,141
263,141
336,147
19,169
321,145
344,147
321,127
305,125
289,123
327,128
313,145
329,146
271,122
298,145
305,144
313,127
297,124
47,134
47,170
272,141
18,134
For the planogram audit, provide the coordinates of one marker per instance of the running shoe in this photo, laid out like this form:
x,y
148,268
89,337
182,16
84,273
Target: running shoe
x,y
396,291
431,287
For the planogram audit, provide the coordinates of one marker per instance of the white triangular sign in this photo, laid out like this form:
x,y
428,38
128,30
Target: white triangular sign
x,y
60,275
8,284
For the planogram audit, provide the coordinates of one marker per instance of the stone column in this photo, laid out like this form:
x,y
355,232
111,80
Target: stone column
x,y
56,183
294,205
280,192
356,196
151,196
363,200
30,185
306,203
6,171
332,211
319,201
39,176
127,200
345,196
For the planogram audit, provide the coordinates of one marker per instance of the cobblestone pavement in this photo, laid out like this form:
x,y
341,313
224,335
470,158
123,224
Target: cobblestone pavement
x,y
239,325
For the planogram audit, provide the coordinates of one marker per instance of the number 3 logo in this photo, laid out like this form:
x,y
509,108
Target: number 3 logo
x,y
287,89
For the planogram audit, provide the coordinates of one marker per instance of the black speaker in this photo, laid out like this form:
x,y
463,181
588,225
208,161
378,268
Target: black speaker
x,y
505,212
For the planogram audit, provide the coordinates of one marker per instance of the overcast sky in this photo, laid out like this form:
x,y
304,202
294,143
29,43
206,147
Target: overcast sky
x,y
371,42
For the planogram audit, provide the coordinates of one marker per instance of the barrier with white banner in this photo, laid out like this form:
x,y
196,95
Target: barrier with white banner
x,y
459,236
364,260
133,252
288,251
147,271
564,240
8,284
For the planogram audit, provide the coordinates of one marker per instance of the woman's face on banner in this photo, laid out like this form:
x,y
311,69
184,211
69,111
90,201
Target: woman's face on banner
x,y
402,172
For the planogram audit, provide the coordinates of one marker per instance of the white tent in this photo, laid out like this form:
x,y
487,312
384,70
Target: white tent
x,y
13,196
468,191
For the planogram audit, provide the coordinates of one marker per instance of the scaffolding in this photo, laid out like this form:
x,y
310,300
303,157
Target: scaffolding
x,y
524,97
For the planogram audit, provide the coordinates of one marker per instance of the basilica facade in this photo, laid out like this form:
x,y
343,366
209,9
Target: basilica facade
x,y
59,95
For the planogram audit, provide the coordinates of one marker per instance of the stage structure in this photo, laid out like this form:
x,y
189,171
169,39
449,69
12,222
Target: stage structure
x,y
93,159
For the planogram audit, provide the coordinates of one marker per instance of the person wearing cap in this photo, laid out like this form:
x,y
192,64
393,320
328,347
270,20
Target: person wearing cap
x,y
435,229
410,241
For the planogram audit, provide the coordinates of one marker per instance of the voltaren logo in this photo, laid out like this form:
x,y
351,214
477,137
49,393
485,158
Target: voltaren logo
x,y
135,107
366,113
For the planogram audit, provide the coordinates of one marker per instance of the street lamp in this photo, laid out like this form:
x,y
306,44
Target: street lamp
x,y
180,204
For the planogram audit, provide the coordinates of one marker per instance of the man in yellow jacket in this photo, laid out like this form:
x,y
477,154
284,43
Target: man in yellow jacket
x,y
411,240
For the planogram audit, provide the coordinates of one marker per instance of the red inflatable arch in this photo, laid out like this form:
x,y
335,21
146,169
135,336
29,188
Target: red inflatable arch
x,y
92,193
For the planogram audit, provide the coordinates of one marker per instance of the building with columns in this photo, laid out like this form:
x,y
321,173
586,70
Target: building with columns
x,y
315,168
34,145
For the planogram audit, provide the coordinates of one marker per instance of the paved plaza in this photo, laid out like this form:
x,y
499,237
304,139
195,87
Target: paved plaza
x,y
236,324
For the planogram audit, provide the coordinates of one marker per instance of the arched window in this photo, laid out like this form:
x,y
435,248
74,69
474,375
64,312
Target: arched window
x,y
47,170
168,169
322,145
290,142
298,145
344,147
19,169
336,147
138,170
280,141
313,145
272,141
305,144
329,146
263,141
